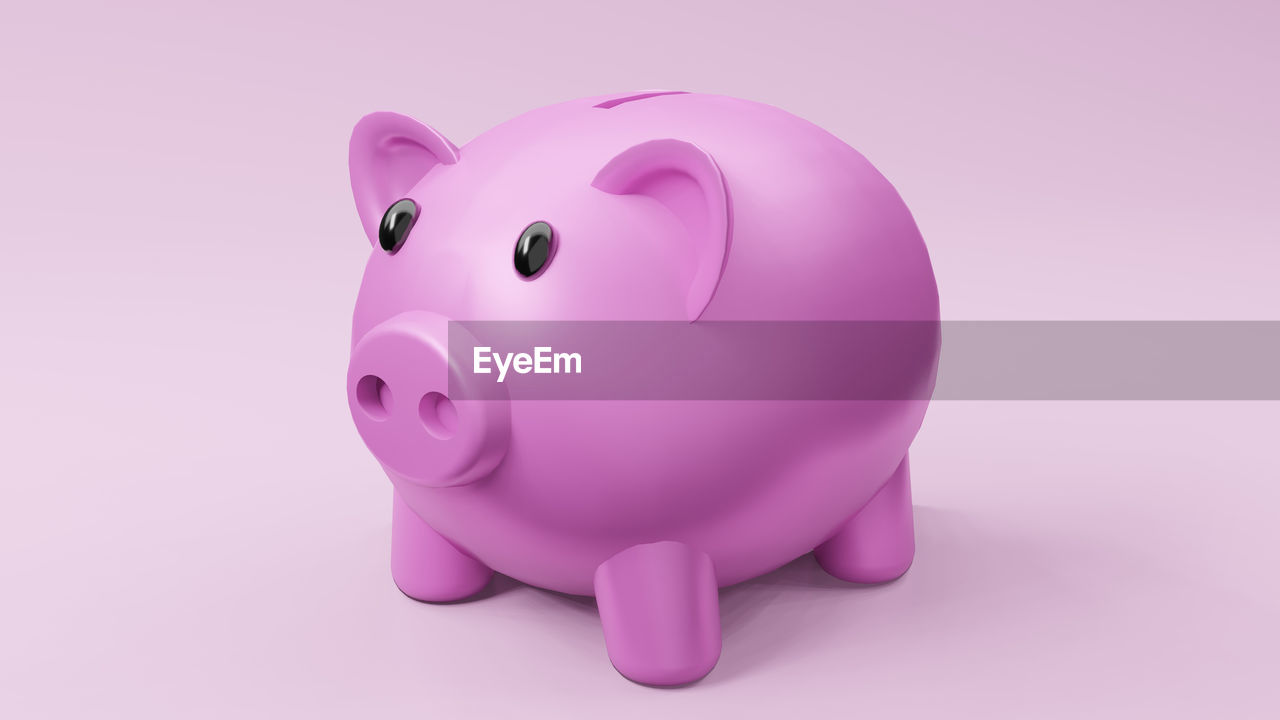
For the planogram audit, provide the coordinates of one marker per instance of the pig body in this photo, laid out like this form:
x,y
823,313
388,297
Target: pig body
x,y
664,206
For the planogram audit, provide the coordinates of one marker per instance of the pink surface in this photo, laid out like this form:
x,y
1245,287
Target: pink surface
x,y
189,526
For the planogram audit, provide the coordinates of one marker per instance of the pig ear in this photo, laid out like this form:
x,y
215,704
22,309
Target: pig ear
x,y
389,155
685,179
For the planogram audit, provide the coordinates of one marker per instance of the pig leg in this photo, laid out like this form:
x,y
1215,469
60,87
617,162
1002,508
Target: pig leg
x,y
427,567
876,544
660,608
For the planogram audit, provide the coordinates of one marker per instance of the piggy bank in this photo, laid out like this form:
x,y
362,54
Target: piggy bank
x,y
671,207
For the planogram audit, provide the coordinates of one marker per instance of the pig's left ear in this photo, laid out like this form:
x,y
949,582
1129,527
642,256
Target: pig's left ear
x,y
685,179
389,155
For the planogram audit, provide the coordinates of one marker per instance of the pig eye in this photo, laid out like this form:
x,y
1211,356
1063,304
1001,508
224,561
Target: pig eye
x,y
396,223
533,249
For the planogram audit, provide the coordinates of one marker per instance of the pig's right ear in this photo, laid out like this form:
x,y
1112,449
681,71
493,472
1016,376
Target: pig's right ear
x,y
389,155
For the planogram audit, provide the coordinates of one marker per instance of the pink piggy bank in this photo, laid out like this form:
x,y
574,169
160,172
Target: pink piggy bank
x,y
660,206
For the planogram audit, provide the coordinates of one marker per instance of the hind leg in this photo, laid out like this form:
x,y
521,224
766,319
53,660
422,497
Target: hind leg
x,y
876,544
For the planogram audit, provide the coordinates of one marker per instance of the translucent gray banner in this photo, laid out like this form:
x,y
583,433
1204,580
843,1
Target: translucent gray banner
x,y
979,360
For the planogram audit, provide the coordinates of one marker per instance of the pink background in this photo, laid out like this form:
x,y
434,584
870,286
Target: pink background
x,y
189,525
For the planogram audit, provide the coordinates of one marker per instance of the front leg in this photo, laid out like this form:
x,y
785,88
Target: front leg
x,y
877,544
427,567
660,608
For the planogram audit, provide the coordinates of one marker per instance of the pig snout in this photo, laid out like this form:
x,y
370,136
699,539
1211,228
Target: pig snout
x,y
398,387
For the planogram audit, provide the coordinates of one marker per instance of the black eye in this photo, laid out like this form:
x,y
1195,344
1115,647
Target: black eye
x,y
533,249
396,223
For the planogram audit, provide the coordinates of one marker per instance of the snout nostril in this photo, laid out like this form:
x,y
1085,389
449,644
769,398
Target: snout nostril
x,y
374,397
438,415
